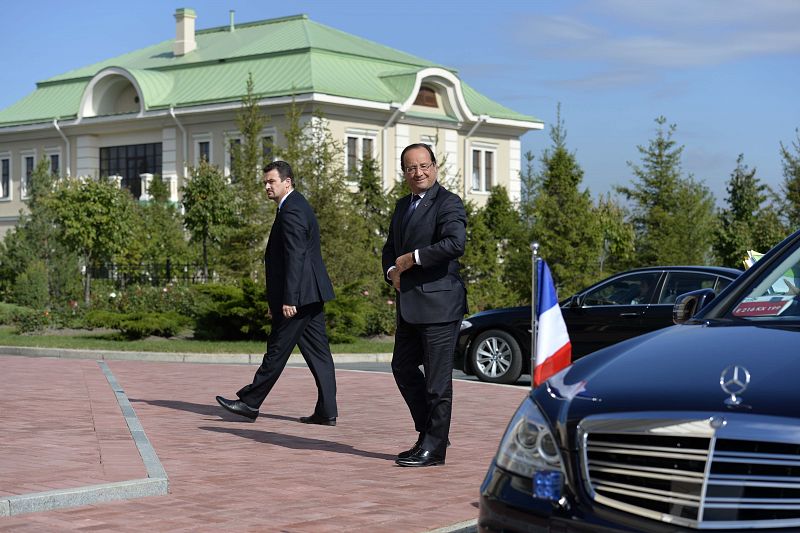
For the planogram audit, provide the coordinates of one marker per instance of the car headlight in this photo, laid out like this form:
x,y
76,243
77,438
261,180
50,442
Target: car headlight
x,y
465,324
529,449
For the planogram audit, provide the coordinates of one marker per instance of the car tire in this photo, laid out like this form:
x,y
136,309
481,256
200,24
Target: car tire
x,y
495,357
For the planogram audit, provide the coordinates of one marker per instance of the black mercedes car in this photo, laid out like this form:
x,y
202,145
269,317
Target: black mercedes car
x,y
695,426
495,345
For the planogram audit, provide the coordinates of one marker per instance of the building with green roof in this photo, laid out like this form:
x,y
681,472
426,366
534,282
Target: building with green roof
x,y
161,109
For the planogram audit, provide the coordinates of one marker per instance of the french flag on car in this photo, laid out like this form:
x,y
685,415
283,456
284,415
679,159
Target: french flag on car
x,y
553,349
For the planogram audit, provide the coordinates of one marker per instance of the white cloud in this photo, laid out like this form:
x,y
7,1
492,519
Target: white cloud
x,y
674,34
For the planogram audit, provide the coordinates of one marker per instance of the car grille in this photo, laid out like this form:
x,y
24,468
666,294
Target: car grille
x,y
688,472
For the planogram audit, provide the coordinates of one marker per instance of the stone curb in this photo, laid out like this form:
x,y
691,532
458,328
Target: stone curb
x,y
180,357
155,484
90,494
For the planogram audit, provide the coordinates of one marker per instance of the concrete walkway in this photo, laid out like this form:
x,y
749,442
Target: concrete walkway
x,y
66,434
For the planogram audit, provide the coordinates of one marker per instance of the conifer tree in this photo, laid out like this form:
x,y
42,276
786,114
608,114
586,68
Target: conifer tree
x,y
565,224
673,216
618,249
247,233
746,223
485,288
34,244
790,160
316,159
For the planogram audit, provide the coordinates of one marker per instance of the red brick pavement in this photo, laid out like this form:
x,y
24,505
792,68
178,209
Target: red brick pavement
x,y
272,475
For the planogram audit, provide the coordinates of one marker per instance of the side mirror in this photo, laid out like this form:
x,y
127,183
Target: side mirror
x,y
688,304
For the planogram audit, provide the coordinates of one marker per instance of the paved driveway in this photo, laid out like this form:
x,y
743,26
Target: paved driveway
x,y
61,428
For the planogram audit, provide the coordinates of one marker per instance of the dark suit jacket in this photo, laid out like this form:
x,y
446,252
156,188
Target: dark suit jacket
x,y
432,292
296,274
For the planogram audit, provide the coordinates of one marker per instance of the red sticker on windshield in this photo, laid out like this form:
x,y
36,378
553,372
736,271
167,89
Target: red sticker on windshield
x,y
771,307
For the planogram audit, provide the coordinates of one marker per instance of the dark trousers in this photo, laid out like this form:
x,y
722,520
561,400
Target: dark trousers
x,y
306,329
428,392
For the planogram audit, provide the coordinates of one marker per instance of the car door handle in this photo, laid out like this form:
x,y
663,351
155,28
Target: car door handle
x,y
629,315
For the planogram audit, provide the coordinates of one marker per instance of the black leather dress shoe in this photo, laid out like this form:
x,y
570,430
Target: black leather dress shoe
x,y
414,449
238,407
421,458
316,419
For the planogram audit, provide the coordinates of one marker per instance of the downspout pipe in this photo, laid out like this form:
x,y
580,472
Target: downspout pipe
x,y
467,155
385,143
68,159
185,142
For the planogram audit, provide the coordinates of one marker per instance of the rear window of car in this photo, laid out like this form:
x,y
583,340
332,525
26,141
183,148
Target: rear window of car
x,y
678,283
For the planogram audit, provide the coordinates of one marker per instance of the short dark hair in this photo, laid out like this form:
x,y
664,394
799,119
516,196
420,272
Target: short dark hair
x,y
284,170
413,147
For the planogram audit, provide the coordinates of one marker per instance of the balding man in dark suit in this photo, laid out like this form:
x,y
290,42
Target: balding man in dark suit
x,y
297,287
420,259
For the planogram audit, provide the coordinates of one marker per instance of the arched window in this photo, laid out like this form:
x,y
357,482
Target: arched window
x,y
426,97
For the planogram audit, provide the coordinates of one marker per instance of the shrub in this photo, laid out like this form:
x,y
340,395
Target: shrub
x,y
145,299
9,311
29,320
30,287
346,318
141,325
232,313
103,319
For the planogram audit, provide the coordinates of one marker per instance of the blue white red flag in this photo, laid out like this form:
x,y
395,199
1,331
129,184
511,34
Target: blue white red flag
x,y
553,349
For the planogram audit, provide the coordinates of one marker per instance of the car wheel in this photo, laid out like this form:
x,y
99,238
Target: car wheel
x,y
496,357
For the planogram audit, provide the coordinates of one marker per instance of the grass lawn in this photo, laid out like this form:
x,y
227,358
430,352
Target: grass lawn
x,y
93,340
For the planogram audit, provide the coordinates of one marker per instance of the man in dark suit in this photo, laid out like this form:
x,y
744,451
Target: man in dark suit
x,y
420,259
297,287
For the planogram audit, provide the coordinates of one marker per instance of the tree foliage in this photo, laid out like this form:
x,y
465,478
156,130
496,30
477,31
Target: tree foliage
x,y
246,233
617,252
316,159
33,247
161,227
746,223
790,161
565,227
208,207
94,220
673,216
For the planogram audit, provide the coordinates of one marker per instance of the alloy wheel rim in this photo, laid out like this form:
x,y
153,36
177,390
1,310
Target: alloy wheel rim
x,y
493,357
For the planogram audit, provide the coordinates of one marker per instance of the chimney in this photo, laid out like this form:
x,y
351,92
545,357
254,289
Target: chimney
x,y
184,31
231,15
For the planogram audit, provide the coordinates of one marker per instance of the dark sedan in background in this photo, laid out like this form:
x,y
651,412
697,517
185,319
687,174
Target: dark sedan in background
x,y
495,345
691,427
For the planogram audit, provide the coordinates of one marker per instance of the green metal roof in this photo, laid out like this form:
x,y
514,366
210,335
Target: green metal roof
x,y
290,55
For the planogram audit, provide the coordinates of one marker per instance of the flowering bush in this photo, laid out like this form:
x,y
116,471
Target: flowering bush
x,y
145,299
29,320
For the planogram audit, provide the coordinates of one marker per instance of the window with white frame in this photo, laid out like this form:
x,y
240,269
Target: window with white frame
x,y
27,166
5,177
268,148
55,164
202,148
483,168
54,159
359,144
231,141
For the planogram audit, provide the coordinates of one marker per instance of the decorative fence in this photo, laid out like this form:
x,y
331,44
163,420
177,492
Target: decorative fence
x,y
155,274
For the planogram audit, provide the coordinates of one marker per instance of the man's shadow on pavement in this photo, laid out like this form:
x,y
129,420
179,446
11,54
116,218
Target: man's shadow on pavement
x,y
210,410
298,443
287,441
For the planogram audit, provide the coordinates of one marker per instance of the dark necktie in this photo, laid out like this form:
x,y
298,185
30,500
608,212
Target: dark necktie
x,y
410,211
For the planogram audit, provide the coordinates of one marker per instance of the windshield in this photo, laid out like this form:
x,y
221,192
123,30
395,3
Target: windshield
x,y
776,296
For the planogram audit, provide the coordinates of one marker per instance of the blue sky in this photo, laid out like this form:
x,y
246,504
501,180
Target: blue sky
x,y
726,72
